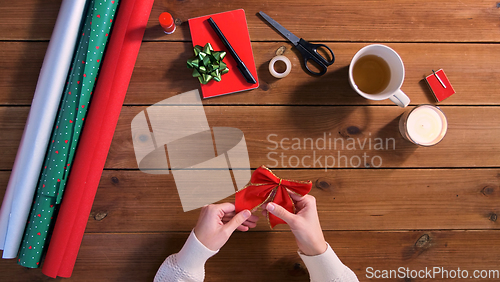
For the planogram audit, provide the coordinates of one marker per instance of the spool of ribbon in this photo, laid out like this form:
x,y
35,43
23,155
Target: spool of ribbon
x,y
207,64
266,187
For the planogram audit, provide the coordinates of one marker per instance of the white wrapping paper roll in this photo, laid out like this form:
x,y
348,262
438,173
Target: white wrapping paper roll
x,y
30,155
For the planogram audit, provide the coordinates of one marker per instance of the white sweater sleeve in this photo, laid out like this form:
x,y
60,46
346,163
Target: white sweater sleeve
x,y
327,267
188,265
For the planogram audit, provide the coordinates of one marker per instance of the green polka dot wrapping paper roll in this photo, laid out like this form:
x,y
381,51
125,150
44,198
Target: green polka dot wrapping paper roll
x,y
68,126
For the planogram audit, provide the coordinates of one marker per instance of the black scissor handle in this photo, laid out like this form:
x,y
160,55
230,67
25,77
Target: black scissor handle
x,y
310,52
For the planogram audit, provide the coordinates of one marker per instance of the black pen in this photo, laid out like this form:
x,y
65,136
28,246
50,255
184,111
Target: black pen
x,y
241,66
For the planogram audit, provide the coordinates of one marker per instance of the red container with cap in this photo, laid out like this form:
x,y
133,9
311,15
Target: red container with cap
x,y
167,22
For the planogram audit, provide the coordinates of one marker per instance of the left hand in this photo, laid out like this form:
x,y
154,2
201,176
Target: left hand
x,y
218,221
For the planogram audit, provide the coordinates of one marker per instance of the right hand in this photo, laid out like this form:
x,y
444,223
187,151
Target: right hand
x,y
304,225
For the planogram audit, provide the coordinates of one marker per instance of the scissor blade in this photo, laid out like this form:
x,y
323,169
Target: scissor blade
x,y
285,32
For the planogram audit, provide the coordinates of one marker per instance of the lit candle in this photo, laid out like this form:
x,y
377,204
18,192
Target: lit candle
x,y
424,125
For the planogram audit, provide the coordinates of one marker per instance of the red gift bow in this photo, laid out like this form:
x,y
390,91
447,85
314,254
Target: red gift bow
x,y
265,187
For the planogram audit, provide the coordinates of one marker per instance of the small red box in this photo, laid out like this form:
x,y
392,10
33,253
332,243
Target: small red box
x,y
440,85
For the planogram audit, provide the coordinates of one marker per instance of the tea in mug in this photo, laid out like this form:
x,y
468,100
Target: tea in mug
x,y
371,74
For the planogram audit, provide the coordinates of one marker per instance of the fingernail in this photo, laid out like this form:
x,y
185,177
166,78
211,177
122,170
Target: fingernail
x,y
270,207
246,214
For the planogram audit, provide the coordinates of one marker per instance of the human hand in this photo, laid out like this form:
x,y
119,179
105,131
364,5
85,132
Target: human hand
x,y
304,224
218,221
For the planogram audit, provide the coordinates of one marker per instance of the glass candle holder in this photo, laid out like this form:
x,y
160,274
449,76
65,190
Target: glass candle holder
x,y
424,125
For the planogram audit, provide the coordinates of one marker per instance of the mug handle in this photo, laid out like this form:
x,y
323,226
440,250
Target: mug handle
x,y
399,98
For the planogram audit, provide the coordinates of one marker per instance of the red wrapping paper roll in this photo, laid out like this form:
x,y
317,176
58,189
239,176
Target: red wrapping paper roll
x,y
97,135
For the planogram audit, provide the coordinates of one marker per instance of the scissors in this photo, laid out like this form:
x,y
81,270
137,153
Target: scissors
x,y
309,51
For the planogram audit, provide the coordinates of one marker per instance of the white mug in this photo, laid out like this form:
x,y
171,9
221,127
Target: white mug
x,y
397,73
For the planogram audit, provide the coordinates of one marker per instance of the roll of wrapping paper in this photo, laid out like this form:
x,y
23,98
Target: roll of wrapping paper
x,y
100,124
34,142
67,129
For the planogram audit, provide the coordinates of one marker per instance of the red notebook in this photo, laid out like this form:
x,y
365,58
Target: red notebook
x,y
441,88
233,25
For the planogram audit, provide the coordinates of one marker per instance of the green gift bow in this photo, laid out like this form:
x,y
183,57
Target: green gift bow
x,y
207,64
66,132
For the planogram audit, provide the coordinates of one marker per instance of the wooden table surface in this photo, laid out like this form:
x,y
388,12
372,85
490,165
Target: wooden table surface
x,y
423,207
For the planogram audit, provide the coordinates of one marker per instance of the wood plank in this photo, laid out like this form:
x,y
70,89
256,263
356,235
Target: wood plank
x,y
28,20
424,21
344,20
347,200
20,64
160,73
471,141
271,256
132,201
